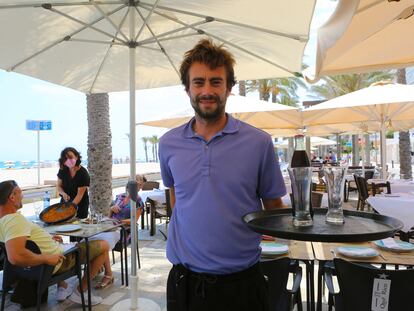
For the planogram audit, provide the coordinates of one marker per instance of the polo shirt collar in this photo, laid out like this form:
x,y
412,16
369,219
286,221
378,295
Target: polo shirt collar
x,y
232,126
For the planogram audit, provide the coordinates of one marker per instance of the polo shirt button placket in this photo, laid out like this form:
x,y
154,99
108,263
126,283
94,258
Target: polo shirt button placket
x,y
206,161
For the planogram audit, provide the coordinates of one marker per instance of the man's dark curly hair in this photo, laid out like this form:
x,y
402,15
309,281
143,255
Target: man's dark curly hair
x,y
212,55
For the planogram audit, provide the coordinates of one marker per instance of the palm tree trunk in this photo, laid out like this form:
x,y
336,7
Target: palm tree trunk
x,y
404,142
367,150
242,88
355,150
99,152
146,152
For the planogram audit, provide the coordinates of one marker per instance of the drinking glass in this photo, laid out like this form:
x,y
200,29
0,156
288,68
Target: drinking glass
x,y
301,181
335,179
37,207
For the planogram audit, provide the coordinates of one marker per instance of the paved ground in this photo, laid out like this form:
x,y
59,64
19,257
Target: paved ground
x,y
152,277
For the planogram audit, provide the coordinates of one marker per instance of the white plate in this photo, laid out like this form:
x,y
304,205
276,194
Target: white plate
x,y
357,251
399,248
272,248
390,195
68,228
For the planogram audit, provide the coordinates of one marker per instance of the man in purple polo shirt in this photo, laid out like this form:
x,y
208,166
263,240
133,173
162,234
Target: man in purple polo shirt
x,y
218,169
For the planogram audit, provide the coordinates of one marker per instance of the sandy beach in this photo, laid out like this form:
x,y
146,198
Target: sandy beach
x,y
27,178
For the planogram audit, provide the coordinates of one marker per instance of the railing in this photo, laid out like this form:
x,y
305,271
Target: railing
x,y
36,193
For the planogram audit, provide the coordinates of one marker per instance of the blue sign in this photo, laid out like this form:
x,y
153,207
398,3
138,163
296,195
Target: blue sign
x,y
38,125
348,144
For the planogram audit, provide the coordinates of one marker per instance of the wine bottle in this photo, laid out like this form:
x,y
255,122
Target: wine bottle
x,y
300,159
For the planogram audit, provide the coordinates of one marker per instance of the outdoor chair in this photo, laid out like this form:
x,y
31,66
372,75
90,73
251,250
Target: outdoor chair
x,y
378,187
121,247
316,198
159,210
40,275
357,291
276,272
351,185
362,192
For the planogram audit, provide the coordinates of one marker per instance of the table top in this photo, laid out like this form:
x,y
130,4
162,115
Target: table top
x,y
326,251
297,250
358,226
86,231
399,206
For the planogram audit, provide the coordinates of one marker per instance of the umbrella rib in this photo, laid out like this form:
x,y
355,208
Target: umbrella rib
x,y
118,29
66,38
145,20
171,38
280,116
301,38
158,42
87,25
37,4
152,40
96,41
106,54
200,31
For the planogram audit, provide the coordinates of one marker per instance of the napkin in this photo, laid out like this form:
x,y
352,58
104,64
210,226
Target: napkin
x,y
274,248
357,251
391,243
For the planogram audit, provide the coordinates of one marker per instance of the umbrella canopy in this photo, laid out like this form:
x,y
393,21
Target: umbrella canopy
x,y
379,106
315,141
365,35
118,45
85,45
258,113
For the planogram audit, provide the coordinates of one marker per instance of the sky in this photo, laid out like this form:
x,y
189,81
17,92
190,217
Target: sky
x,y
23,98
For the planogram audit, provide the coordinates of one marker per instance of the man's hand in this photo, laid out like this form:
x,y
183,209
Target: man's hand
x,y
115,209
57,238
53,260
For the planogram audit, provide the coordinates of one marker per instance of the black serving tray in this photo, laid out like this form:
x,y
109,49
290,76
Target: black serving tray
x,y
358,226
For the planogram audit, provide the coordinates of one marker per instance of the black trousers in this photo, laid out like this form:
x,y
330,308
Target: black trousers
x,y
241,291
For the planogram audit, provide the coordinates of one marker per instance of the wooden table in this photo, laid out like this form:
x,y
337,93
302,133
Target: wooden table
x,y
303,251
326,252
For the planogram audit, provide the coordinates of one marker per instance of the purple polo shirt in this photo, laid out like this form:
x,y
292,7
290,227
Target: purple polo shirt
x,y
216,183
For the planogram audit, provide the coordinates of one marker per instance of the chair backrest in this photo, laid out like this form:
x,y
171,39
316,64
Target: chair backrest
x,y
149,185
356,285
316,199
277,273
369,174
362,187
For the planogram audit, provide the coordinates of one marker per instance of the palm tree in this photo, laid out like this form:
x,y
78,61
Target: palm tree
x,y
282,90
404,139
99,152
334,86
154,141
145,141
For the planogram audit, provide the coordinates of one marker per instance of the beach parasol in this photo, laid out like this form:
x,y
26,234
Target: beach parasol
x,y
113,45
364,36
380,105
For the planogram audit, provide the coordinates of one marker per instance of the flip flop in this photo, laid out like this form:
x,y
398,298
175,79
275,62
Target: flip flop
x,y
105,282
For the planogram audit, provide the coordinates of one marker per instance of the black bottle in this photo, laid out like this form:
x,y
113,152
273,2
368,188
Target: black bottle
x,y
300,159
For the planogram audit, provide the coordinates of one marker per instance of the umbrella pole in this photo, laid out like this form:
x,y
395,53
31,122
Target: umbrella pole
x,y
383,142
133,303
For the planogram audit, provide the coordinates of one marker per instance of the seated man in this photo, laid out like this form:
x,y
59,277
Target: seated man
x,y
15,229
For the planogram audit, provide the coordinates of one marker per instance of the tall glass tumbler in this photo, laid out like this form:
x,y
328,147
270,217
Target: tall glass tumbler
x,y
301,181
335,179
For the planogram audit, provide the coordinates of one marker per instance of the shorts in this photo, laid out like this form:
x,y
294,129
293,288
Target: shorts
x,y
70,259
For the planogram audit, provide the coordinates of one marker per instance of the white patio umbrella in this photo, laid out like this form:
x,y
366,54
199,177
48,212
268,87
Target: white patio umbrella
x,y
363,36
258,113
314,140
380,105
117,45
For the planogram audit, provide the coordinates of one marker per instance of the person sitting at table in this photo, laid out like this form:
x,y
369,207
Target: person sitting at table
x,y
121,211
15,229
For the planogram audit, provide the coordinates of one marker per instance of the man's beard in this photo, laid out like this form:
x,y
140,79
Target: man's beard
x,y
212,114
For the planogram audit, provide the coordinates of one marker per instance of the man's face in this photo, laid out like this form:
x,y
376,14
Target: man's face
x,y
16,197
208,90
